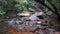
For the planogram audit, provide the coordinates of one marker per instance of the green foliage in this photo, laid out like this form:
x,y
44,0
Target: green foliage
x,y
26,5
6,5
56,3
2,12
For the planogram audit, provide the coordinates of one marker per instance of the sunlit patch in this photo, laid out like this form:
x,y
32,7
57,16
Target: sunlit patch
x,y
23,14
39,22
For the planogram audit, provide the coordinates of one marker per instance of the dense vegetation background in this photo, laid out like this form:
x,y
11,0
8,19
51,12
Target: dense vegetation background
x,y
12,7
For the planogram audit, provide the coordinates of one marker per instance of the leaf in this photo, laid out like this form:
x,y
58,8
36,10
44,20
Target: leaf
x,y
2,12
